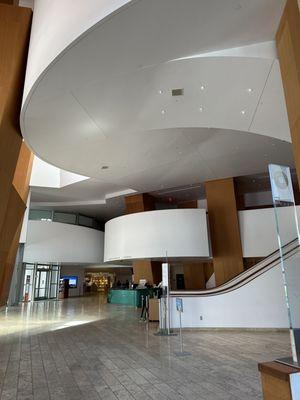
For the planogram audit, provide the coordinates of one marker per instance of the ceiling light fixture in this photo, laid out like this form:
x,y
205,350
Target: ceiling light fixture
x,y
243,112
201,109
202,87
163,112
104,167
249,90
160,91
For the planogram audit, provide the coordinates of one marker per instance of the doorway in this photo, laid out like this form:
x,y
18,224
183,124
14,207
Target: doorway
x,y
40,281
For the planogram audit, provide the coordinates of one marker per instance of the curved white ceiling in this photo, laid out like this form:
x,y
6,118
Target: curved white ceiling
x,y
105,100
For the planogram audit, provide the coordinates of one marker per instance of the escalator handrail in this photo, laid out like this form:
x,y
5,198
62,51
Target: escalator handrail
x,y
246,276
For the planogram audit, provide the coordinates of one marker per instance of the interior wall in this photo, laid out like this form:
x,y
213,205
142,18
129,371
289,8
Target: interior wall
x,y
258,230
258,304
78,271
149,270
139,203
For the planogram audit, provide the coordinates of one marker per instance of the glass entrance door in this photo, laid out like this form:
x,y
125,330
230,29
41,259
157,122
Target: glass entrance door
x,y
42,282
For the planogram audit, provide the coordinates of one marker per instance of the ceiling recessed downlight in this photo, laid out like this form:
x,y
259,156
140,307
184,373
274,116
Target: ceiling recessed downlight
x,y
243,112
201,109
202,87
249,90
163,112
160,91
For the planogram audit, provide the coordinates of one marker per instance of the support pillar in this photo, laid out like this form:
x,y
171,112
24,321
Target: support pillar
x,y
143,269
224,229
288,48
15,23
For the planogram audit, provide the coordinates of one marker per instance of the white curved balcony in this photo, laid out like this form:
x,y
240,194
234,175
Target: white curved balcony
x,y
56,242
154,234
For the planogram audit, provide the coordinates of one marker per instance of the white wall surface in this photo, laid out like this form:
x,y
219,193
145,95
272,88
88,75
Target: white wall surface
x,y
63,243
258,230
177,232
258,304
23,234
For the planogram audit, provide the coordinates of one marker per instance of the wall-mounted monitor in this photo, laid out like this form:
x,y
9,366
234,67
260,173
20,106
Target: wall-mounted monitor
x,y
73,281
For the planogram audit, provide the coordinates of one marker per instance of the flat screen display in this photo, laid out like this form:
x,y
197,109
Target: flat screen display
x,y
73,280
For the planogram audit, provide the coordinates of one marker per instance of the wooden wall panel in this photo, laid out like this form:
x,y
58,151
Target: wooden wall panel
x,y
224,229
288,47
11,2
9,264
139,203
194,276
15,158
146,269
188,204
23,172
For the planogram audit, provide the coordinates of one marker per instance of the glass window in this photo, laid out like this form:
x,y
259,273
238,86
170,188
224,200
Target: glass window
x,y
85,221
66,218
40,215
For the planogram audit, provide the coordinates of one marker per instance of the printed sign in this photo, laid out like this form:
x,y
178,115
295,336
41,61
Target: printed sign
x,y
281,183
165,274
179,304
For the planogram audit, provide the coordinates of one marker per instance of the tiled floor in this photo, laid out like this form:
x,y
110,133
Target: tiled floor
x,y
86,349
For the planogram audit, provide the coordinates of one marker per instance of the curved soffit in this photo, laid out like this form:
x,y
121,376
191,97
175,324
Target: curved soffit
x,y
107,99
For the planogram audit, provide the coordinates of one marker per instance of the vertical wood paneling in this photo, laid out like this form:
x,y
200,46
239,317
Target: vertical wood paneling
x,y
23,172
188,204
224,229
15,158
288,47
146,269
139,203
194,276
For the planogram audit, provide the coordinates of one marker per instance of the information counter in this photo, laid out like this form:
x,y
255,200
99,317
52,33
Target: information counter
x,y
127,296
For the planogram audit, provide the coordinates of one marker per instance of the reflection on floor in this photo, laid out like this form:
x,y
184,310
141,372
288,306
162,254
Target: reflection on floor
x,y
85,349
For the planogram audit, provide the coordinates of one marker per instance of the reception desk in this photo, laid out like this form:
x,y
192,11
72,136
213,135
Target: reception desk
x,y
127,297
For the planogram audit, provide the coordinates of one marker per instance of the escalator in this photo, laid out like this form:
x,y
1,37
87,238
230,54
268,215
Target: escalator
x,y
271,261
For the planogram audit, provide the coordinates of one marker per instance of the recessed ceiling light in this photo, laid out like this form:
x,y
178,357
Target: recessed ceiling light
x,y
163,112
201,109
202,87
160,91
104,167
249,90
243,112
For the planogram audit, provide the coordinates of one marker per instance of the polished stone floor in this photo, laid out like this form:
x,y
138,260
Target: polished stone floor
x,y
83,348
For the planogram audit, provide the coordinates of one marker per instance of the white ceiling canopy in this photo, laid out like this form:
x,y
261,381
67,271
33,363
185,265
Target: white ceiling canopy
x,y
100,102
